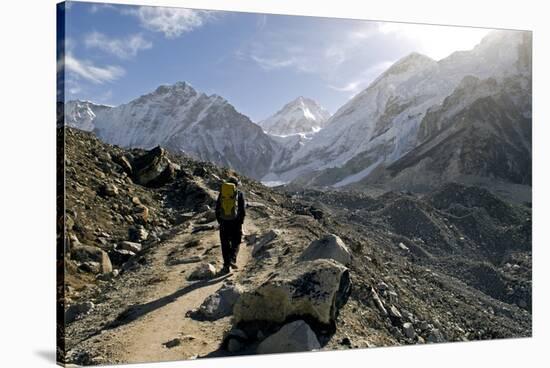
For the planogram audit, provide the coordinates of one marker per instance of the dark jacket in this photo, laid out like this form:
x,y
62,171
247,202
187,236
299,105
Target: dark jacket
x,y
240,210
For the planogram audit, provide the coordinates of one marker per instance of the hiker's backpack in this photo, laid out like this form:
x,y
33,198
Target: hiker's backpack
x,y
228,201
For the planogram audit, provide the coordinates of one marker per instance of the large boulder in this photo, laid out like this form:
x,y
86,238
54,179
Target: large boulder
x,y
220,304
153,169
329,247
293,337
84,253
311,290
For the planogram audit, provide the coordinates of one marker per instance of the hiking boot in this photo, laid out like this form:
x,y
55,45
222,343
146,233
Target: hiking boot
x,y
234,266
224,270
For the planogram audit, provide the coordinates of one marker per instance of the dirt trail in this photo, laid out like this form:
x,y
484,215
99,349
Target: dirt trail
x,y
161,318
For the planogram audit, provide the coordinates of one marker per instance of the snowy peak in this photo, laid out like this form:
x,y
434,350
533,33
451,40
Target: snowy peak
x,y
412,62
81,114
301,115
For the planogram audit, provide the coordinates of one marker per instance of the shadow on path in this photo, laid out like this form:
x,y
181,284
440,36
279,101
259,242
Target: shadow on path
x,y
139,310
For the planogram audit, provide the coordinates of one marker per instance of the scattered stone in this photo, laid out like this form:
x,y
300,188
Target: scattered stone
x,y
392,297
123,162
435,336
424,325
138,234
394,312
84,253
292,337
264,240
317,289
409,331
378,303
204,271
200,228
403,247
76,311
328,247
120,256
172,343
109,190
131,246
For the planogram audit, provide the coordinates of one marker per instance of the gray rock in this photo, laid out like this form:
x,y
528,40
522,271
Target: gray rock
x,y
292,337
220,304
131,246
109,190
84,253
264,241
328,247
424,325
172,343
204,271
393,297
403,247
435,336
409,331
378,303
314,288
153,168
138,234
76,311
120,256
394,312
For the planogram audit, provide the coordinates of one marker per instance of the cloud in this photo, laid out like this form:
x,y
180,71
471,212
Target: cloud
x,y
94,8
123,48
273,63
85,69
173,22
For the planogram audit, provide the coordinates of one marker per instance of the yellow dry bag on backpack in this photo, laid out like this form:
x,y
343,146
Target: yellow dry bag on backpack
x,y
228,199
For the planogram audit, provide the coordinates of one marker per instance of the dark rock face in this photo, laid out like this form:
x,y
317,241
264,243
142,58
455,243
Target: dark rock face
x,y
153,169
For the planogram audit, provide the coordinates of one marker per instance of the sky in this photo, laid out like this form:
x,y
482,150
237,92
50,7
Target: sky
x,y
258,62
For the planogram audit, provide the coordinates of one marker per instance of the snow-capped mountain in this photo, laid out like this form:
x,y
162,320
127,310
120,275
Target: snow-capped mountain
x,y
301,115
383,123
81,114
181,119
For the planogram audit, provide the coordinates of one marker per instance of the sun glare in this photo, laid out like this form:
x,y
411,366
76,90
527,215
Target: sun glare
x,y
436,42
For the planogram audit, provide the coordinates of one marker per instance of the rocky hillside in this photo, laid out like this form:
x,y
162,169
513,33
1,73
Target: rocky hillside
x,y
317,270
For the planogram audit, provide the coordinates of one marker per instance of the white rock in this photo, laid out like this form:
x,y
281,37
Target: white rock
x,y
292,337
328,247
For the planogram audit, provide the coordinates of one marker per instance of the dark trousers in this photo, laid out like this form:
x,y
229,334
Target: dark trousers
x,y
230,236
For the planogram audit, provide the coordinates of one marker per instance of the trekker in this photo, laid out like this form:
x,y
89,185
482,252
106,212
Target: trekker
x,y
230,215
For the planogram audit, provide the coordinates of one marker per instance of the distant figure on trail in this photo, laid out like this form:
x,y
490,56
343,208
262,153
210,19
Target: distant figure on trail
x,y
230,213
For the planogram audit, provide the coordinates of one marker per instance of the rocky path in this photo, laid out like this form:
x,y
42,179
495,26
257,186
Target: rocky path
x,y
157,328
